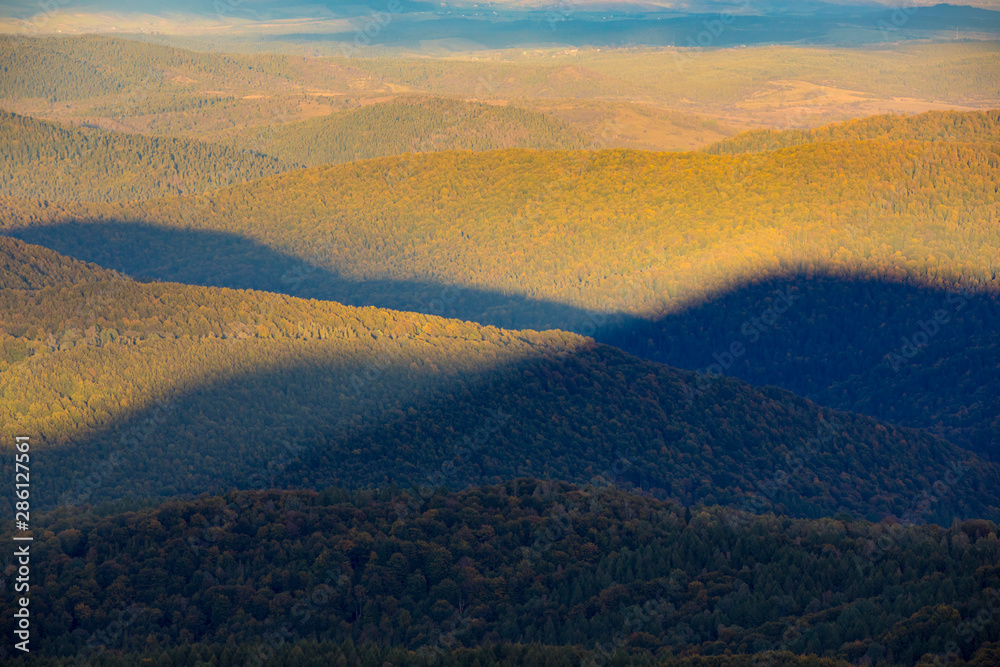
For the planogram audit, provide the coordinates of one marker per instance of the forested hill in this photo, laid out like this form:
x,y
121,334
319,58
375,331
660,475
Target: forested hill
x,y
126,72
412,125
873,237
292,393
525,572
40,268
961,126
42,160
621,231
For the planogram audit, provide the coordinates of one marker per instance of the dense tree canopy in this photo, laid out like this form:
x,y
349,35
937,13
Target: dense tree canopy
x,y
292,393
874,237
958,126
595,571
412,125
40,160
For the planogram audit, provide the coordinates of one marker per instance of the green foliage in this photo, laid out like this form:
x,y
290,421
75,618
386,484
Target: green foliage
x,y
413,125
873,233
489,569
42,160
159,104
124,72
127,375
134,391
967,127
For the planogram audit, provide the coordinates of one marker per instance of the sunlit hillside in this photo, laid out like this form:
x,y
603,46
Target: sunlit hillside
x,y
983,127
641,250
578,334
615,231
308,394
412,126
59,163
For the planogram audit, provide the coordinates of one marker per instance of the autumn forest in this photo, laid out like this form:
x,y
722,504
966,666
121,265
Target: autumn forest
x,y
489,334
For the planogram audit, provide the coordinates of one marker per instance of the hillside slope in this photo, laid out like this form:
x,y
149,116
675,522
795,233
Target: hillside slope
x,y
142,87
107,69
619,231
983,126
413,125
670,256
41,160
285,392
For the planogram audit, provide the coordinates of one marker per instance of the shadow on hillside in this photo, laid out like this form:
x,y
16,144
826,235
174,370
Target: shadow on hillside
x,y
916,356
220,259
595,414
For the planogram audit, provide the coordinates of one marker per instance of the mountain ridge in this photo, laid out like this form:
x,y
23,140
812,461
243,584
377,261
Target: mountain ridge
x,y
315,394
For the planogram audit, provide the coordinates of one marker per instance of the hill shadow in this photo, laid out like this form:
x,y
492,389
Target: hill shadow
x,y
913,355
595,414
220,259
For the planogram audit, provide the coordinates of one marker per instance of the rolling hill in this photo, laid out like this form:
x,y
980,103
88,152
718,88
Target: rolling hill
x,y
668,256
411,125
302,394
965,127
373,359
47,161
142,87
124,72
619,231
